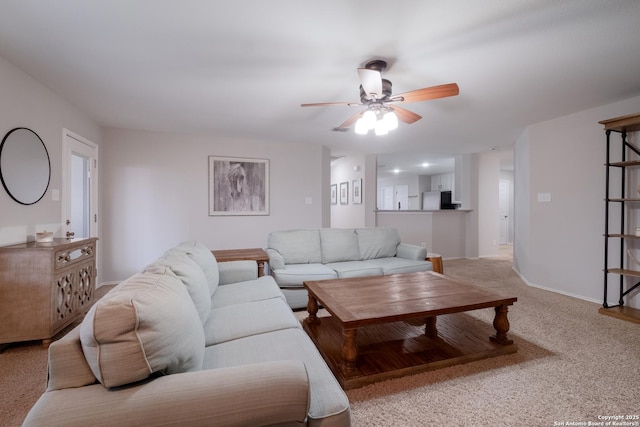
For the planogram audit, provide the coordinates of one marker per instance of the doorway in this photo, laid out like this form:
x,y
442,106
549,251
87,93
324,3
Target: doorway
x,y
80,186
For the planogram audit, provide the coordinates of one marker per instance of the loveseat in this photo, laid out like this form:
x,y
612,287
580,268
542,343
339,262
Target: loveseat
x,y
332,253
189,341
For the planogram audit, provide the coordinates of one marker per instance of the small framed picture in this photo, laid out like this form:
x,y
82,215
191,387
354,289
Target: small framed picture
x,y
334,194
344,193
356,188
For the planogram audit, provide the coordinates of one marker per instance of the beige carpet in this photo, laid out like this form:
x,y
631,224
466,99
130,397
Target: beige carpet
x,y
573,365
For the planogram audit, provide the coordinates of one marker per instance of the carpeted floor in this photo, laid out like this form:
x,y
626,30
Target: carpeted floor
x,y
574,365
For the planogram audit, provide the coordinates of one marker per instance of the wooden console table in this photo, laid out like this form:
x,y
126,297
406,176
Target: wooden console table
x,y
253,254
44,287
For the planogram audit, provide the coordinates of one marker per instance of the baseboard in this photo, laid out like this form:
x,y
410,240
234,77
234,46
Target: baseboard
x,y
544,288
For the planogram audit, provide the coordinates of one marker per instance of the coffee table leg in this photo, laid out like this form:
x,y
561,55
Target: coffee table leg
x,y
501,325
430,328
312,308
349,350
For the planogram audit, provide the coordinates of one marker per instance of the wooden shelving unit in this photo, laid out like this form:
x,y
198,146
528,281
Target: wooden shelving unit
x,y
622,126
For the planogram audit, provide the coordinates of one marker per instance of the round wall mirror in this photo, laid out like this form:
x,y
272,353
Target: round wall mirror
x,y
25,168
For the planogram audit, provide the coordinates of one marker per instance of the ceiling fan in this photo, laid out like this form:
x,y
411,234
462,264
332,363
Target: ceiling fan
x,y
382,111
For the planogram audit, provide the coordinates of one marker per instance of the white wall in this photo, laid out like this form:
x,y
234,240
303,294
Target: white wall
x,y
488,204
522,205
344,170
155,194
559,245
27,103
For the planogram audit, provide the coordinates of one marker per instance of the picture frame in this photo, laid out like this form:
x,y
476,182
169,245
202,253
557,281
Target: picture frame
x,y
356,191
334,194
238,186
344,193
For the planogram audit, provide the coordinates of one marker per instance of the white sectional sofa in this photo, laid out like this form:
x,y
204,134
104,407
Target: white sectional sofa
x,y
190,342
331,253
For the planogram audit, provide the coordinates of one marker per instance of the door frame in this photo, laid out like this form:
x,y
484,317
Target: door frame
x,y
74,143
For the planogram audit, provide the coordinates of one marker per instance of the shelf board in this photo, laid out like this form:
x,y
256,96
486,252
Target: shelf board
x,y
622,312
630,123
624,236
623,199
624,272
626,163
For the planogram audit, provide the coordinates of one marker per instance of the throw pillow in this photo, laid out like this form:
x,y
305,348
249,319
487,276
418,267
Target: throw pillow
x,y
145,325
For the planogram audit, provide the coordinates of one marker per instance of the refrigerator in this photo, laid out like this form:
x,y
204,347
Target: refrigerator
x,y
437,200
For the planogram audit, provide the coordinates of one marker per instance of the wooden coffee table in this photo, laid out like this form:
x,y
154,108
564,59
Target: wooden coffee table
x,y
384,327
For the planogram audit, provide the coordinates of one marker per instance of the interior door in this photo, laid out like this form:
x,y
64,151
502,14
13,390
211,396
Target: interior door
x,y
387,199
401,201
80,186
503,211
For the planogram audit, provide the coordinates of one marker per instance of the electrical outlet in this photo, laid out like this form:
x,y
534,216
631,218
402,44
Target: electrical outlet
x,y
544,197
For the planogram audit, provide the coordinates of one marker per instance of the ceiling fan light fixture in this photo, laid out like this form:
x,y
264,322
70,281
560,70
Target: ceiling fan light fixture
x,y
390,120
381,128
361,127
369,119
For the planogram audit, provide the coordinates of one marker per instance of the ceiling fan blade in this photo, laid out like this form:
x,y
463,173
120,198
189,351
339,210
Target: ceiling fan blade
x,y
326,104
371,82
405,115
347,123
433,92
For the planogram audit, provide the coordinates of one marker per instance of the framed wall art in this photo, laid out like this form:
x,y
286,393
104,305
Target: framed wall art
x,y
344,193
334,194
356,190
238,186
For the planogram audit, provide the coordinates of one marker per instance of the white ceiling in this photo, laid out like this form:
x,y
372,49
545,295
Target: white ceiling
x,y
243,68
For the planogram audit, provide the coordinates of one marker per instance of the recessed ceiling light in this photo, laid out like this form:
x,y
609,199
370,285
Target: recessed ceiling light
x,y
396,171
425,165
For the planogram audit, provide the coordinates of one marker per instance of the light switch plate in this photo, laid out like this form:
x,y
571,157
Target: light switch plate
x,y
544,197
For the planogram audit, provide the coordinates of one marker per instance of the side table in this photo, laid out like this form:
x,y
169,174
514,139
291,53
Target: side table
x,y
436,260
253,254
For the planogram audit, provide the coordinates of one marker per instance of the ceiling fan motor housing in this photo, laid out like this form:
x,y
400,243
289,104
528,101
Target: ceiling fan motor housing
x,y
376,64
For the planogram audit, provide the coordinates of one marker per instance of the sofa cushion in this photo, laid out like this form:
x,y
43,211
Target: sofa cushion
x,y
262,288
191,276
350,269
295,274
396,265
329,403
204,258
296,246
377,242
144,325
250,318
339,244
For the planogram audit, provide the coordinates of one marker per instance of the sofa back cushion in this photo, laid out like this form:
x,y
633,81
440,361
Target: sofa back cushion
x,y
377,242
204,258
193,278
145,325
296,246
339,244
